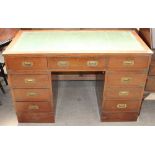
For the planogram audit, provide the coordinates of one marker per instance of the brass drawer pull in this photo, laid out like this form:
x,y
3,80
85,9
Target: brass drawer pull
x,y
29,80
63,63
128,62
121,106
33,107
123,93
32,94
92,63
126,79
27,64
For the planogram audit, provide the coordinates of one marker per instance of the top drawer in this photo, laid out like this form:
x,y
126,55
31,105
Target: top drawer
x,y
129,63
76,63
26,63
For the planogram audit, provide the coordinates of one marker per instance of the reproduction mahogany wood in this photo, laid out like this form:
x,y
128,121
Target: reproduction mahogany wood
x,y
26,63
32,94
119,116
29,117
123,93
29,81
76,63
128,63
121,105
33,107
125,79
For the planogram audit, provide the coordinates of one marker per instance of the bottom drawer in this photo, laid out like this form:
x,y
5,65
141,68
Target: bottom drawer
x,y
121,105
35,117
119,117
150,84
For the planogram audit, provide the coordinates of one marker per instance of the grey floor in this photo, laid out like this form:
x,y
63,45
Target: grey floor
x,y
76,105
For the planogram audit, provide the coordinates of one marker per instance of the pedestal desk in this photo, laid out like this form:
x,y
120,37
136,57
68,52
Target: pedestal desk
x,y
119,56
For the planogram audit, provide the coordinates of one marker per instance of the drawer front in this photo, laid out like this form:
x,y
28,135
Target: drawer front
x,y
35,117
119,116
33,107
121,105
77,64
31,94
128,63
150,84
123,93
29,81
26,63
125,79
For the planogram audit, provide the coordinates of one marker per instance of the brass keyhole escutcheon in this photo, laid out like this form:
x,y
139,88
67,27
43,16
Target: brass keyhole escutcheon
x,y
29,80
123,93
92,63
63,63
126,80
128,62
121,106
33,107
32,94
27,64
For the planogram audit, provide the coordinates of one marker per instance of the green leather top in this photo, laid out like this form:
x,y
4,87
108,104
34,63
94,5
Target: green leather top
x,y
72,41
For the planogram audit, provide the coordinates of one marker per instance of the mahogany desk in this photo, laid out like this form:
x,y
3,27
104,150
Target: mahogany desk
x,y
120,56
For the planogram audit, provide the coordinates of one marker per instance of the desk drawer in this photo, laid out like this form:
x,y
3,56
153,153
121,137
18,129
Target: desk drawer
x,y
125,79
33,107
129,63
28,117
29,81
26,63
77,64
121,105
31,94
123,93
119,116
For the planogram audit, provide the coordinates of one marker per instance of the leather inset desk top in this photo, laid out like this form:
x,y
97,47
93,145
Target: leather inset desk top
x,y
77,42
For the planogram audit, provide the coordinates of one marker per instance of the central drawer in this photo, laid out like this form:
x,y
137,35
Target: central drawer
x,y
31,94
76,63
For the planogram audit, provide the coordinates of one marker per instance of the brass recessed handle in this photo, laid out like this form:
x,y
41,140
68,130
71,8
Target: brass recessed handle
x,y
32,94
33,107
126,79
123,93
128,62
92,63
29,80
63,63
121,106
27,64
